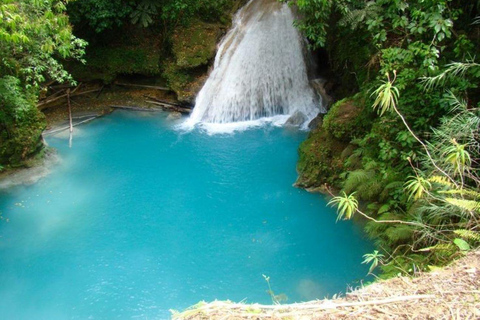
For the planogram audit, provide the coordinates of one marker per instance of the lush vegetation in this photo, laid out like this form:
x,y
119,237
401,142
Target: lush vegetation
x,y
34,36
411,168
40,43
402,147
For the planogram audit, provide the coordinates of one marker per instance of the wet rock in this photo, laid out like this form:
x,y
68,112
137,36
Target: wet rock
x,y
319,86
316,122
174,116
296,119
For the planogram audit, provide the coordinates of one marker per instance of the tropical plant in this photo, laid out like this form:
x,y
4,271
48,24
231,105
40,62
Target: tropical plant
x,y
373,258
34,37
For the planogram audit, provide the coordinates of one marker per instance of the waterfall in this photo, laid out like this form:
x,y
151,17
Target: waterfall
x,y
259,71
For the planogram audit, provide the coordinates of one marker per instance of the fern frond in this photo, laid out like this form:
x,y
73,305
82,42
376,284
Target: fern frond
x,y
399,233
462,192
444,181
355,18
355,178
468,234
468,205
440,247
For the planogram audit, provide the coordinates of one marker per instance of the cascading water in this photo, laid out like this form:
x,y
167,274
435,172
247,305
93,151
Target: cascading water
x,y
259,71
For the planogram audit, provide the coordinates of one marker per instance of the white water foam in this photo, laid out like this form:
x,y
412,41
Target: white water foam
x,y
259,73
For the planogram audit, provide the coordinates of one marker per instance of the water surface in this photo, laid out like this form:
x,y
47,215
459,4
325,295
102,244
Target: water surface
x,y
138,218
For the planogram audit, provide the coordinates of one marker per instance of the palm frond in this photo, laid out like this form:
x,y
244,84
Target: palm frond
x,y
386,97
347,205
454,69
416,187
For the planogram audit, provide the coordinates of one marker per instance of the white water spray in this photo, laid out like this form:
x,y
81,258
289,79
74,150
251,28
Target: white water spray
x,y
259,71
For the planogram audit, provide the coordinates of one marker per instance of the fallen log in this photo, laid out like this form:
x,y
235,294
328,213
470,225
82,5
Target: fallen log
x,y
74,90
141,86
61,86
136,108
54,95
164,101
41,103
47,132
169,107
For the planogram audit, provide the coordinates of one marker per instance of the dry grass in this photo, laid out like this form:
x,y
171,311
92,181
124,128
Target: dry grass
x,y
449,293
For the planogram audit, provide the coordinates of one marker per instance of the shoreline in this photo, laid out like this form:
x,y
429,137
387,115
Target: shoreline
x,y
86,108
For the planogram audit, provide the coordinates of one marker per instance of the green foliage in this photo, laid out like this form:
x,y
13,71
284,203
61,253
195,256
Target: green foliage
x,y
347,118
34,36
101,15
419,163
470,235
373,258
144,12
106,63
416,187
461,244
386,96
346,205
21,124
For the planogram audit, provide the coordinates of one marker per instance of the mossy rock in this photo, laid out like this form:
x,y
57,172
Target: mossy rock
x,y
322,156
320,159
195,44
347,118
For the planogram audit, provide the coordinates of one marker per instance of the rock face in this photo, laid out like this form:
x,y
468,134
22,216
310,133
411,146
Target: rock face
x,y
319,86
193,50
317,122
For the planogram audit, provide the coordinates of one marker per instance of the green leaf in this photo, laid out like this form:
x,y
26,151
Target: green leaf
x,y
461,244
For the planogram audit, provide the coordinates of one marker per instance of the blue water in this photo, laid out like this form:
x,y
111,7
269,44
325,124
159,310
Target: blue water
x,y
139,218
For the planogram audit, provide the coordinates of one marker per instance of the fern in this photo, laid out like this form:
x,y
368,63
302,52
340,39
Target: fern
x,y
356,178
399,233
442,180
462,192
356,18
468,235
468,205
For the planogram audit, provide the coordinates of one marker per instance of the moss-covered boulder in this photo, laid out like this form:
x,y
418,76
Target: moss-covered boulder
x,y
194,48
195,45
322,155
